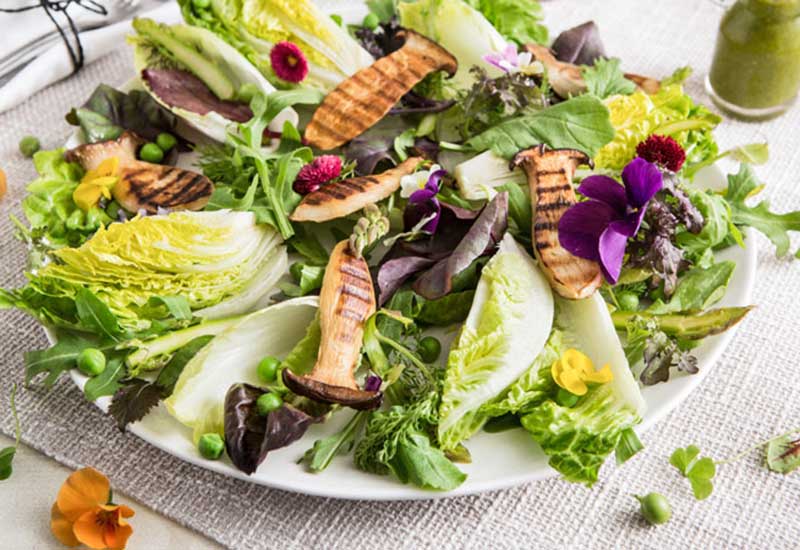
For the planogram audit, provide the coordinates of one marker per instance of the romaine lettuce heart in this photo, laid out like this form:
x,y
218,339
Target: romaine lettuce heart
x,y
232,357
507,327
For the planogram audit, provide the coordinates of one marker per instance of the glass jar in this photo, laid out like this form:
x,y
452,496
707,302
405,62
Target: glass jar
x,y
756,68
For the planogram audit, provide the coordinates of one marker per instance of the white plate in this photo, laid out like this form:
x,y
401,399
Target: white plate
x,y
498,460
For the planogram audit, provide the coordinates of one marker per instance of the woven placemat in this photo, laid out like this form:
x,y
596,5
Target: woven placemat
x,y
752,393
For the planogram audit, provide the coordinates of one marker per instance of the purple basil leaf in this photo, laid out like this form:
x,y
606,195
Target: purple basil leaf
x,y
370,151
461,213
482,237
687,212
413,103
579,45
382,40
426,148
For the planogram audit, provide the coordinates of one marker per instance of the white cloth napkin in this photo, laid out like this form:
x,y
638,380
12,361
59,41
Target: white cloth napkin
x,y
55,63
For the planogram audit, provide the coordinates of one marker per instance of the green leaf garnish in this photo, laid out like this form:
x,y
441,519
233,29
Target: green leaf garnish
x,y
783,454
605,79
699,471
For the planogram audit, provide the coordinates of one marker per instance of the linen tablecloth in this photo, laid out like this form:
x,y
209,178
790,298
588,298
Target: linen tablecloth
x,y
751,394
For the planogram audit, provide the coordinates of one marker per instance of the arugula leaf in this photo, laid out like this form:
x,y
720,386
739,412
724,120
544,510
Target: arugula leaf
x,y
775,227
605,79
308,246
7,454
319,457
699,471
783,454
135,398
698,290
581,123
96,316
63,356
107,382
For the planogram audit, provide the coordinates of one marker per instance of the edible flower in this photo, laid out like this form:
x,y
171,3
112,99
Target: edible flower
x,y
317,173
83,514
663,151
423,210
599,229
289,62
511,61
574,370
96,184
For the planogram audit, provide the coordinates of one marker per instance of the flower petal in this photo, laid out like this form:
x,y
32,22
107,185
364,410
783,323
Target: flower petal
x,y
418,210
582,224
606,190
90,528
630,225
433,180
642,180
611,249
84,490
61,527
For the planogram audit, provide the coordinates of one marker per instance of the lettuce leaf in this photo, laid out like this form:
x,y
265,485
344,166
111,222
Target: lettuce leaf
x,y
669,112
506,329
222,263
517,20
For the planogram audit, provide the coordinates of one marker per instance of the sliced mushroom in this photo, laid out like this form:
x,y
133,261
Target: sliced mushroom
x,y
342,198
359,102
550,174
347,300
143,185
567,79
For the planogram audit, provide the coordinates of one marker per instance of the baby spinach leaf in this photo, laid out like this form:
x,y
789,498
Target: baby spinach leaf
x,y
699,471
422,464
581,123
783,454
605,79
775,227
7,454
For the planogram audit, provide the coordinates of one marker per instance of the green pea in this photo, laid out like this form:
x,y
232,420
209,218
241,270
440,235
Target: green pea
x,y
211,446
628,301
655,508
268,369
91,361
150,152
29,145
337,19
166,141
201,4
268,402
566,398
371,21
429,349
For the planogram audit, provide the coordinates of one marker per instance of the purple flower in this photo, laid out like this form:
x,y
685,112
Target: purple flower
x,y
509,60
599,228
423,205
372,383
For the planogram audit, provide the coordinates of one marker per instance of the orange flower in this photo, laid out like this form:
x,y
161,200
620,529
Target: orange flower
x,y
82,513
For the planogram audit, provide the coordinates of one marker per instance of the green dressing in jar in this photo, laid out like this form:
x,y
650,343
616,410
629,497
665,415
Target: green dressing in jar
x,y
756,68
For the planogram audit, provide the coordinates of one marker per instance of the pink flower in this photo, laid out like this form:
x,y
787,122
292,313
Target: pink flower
x,y
320,171
289,62
509,60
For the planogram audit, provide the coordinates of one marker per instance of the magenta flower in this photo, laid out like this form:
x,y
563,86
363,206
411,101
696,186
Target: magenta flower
x,y
423,204
289,62
599,229
318,172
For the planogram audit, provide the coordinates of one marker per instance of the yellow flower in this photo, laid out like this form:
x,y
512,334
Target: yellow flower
x,y
574,370
83,515
96,184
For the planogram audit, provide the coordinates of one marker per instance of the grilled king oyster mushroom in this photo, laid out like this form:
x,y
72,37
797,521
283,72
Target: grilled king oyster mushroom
x,y
143,185
550,174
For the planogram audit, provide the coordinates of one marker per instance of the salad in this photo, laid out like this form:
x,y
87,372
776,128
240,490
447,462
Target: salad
x,y
433,223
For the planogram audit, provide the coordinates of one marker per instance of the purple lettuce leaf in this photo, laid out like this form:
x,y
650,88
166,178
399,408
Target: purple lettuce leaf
x,y
579,45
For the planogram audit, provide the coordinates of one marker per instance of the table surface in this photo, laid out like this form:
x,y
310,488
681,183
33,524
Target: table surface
x,y
33,489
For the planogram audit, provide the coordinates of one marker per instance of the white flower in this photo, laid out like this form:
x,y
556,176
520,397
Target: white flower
x,y
416,181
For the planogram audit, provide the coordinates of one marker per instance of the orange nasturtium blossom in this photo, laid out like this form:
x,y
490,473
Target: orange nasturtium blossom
x,y
82,513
